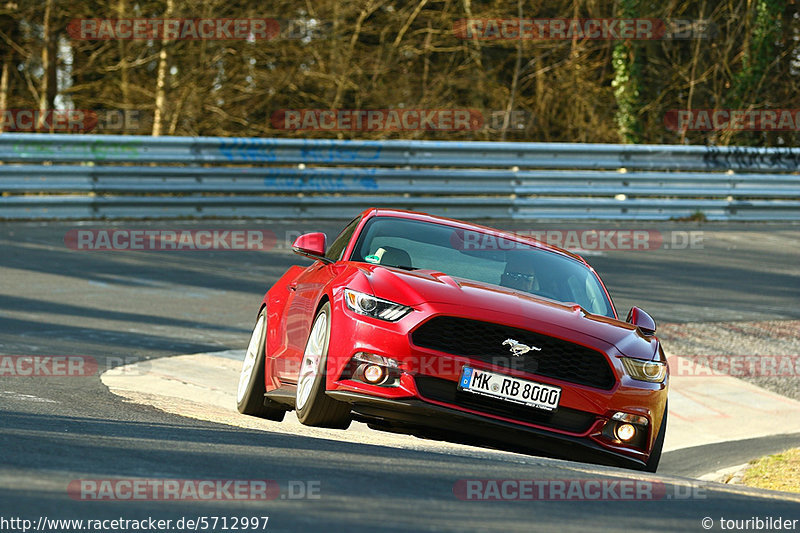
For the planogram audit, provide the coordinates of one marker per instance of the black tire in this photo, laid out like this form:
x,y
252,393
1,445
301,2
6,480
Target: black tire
x,y
319,409
658,446
251,400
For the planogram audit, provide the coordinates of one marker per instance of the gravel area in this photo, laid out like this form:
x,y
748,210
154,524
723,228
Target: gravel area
x,y
745,343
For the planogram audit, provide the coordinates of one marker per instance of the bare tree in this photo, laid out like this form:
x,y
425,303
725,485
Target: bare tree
x,y
381,54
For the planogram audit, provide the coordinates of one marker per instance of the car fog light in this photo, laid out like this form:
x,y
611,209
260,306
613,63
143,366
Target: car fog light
x,y
374,374
625,432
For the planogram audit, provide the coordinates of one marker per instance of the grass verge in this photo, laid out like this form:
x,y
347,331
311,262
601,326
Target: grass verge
x,y
775,472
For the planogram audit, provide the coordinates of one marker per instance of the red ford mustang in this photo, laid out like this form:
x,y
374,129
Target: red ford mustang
x,y
449,330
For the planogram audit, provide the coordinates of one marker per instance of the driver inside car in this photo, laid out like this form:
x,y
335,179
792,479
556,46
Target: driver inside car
x,y
389,255
518,274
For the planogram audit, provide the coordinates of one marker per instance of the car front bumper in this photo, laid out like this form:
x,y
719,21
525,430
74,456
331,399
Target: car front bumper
x,y
436,421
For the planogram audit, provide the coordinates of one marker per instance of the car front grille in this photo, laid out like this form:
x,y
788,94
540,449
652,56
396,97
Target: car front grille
x,y
483,341
446,391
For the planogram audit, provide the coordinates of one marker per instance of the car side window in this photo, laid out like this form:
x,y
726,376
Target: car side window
x,y
334,252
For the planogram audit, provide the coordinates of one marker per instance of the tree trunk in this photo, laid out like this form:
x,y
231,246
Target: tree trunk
x,y
3,92
512,93
122,44
161,82
626,81
49,63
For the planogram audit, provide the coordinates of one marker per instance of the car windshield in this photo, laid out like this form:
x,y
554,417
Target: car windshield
x,y
480,256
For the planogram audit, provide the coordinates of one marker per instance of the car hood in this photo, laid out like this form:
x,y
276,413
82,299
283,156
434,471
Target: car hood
x,y
521,309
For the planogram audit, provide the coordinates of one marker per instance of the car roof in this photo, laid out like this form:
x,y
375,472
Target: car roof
x,y
425,217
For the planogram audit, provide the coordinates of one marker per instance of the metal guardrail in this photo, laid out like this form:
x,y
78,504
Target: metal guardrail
x,y
93,176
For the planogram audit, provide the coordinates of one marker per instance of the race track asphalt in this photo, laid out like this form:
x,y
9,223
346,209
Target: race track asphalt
x,y
134,306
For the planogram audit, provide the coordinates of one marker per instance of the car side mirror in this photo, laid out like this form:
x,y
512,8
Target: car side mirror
x,y
310,244
642,320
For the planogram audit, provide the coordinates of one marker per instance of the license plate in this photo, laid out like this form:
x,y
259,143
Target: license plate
x,y
509,388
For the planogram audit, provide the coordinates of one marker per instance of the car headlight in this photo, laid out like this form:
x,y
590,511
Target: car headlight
x,y
652,371
372,306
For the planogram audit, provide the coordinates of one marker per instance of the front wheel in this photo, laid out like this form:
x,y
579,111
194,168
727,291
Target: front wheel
x,y
250,393
312,405
655,454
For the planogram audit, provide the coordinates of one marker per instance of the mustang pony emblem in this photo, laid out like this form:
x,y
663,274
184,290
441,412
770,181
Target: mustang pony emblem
x,y
517,348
